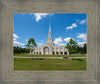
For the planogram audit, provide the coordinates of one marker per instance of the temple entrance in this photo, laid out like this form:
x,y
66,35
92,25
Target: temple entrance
x,y
46,50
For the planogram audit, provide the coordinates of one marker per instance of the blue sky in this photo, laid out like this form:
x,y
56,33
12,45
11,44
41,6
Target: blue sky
x,y
36,25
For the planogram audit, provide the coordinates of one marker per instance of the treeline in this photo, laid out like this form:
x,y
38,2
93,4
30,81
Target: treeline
x,y
81,50
19,50
73,47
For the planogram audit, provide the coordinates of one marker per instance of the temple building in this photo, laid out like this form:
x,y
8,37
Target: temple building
x,y
49,48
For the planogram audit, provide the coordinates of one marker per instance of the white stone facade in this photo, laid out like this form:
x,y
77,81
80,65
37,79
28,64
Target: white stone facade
x,y
49,48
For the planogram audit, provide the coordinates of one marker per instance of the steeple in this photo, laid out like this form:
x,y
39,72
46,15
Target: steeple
x,y
49,39
49,30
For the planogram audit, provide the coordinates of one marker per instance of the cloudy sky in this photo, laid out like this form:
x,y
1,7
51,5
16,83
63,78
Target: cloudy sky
x,y
36,25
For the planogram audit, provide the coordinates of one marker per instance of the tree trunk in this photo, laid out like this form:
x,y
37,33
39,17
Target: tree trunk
x,y
70,56
30,52
32,56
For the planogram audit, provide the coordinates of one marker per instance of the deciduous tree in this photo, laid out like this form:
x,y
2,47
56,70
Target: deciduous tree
x,y
71,46
31,43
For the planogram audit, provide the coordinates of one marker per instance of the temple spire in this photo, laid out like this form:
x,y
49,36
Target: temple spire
x,y
49,30
49,26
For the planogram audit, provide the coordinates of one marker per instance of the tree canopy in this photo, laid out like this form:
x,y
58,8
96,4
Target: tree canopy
x,y
71,46
19,50
31,43
83,49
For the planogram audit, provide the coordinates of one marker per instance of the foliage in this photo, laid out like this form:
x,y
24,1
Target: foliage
x,y
82,50
85,48
71,46
31,43
74,48
19,50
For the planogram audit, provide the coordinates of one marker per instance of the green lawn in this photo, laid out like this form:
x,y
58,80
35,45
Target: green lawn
x,y
49,64
27,55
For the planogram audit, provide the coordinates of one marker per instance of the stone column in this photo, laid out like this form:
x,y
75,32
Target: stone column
x,y
58,52
63,51
67,52
50,50
42,51
55,51
38,51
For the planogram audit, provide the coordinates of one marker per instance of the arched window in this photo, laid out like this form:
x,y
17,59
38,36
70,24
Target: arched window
x,y
57,53
65,53
46,50
53,53
61,53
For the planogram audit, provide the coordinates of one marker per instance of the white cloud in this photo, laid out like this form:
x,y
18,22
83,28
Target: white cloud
x,y
15,36
39,16
40,43
16,43
26,40
63,44
58,40
78,40
14,39
83,21
67,39
82,36
81,44
72,26
51,14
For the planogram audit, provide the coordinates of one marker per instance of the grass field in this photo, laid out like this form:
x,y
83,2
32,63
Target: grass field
x,y
27,55
49,64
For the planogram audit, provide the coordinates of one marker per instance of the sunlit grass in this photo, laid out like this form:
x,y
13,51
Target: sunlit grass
x,y
49,64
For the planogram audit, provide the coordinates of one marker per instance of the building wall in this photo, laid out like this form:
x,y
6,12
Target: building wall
x,y
56,50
